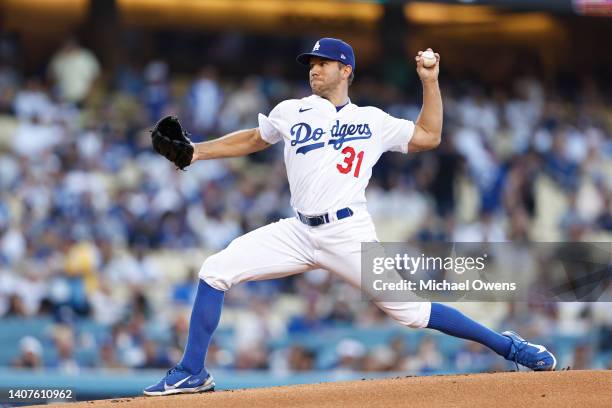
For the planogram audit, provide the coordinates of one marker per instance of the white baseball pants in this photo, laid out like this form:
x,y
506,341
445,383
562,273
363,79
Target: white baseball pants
x,y
288,247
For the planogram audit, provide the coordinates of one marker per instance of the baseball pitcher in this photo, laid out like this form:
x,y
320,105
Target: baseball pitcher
x,y
330,148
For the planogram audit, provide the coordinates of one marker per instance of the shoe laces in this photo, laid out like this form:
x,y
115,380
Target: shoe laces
x,y
514,357
519,346
172,370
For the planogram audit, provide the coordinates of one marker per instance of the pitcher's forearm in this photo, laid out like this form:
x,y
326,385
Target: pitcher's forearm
x,y
428,126
431,113
235,144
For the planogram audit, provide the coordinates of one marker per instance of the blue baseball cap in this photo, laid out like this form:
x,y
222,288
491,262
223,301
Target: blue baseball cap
x,y
330,48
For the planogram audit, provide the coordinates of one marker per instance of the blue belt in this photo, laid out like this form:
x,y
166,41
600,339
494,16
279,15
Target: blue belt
x,y
316,220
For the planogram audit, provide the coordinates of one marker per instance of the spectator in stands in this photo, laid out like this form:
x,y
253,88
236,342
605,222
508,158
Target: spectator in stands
x,y
33,101
73,69
154,356
301,359
13,243
134,268
243,105
108,357
179,331
582,357
156,95
31,354
254,357
16,306
474,357
341,313
64,342
205,99
427,358
351,354
309,321
107,309
560,167
128,338
380,359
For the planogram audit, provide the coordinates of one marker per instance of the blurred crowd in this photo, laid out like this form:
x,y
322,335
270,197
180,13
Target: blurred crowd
x,y
95,226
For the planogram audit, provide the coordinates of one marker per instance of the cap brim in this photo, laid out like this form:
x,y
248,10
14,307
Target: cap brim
x,y
305,57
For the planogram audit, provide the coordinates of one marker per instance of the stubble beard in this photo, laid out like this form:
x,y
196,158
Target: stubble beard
x,y
325,90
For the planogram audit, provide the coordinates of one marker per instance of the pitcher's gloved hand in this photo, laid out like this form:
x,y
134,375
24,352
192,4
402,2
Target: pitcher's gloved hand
x,y
171,141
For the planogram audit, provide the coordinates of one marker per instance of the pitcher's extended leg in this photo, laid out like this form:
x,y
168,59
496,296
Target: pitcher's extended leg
x,y
273,251
345,261
205,317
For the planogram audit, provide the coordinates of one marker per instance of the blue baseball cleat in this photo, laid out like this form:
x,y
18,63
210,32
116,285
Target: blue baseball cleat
x,y
530,355
179,381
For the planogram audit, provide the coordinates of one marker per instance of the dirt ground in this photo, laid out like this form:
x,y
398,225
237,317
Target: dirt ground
x,y
526,389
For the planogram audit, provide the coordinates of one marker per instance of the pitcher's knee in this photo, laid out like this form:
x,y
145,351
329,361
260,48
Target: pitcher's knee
x,y
211,272
411,314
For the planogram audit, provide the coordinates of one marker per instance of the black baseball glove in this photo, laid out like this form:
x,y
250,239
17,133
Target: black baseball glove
x,y
171,141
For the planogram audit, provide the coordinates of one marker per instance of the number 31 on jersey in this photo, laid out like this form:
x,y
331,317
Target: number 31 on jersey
x,y
349,157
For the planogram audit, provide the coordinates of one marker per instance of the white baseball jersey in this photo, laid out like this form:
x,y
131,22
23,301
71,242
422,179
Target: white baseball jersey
x,y
329,154
329,157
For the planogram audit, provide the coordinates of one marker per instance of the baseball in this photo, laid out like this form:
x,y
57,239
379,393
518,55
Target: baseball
x,y
429,59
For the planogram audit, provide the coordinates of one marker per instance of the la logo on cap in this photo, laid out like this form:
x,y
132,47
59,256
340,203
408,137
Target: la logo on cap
x,y
316,47
342,56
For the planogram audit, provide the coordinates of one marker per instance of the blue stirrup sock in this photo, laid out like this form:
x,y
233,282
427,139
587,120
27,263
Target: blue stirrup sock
x,y
205,317
451,321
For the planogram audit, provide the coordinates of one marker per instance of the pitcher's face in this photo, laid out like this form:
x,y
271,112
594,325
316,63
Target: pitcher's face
x,y
325,75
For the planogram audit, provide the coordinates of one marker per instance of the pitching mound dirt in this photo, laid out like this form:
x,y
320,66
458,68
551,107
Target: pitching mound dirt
x,y
529,389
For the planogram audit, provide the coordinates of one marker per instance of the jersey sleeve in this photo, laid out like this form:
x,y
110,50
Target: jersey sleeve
x,y
396,133
270,126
